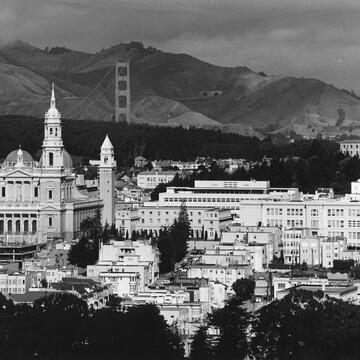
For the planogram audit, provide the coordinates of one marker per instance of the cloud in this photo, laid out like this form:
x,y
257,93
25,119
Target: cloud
x,y
313,38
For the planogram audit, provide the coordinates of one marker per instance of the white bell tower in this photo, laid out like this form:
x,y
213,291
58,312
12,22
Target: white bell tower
x,y
107,181
53,147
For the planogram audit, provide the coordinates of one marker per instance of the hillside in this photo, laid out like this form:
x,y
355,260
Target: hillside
x,y
173,90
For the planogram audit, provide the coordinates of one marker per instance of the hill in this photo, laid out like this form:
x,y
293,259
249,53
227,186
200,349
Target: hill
x,y
173,90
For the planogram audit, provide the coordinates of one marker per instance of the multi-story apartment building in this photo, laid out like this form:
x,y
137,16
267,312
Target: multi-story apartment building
x,y
151,179
126,266
127,220
332,249
15,282
299,246
226,274
150,218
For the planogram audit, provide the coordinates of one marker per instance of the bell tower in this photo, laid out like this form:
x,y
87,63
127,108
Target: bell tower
x,y
107,181
53,147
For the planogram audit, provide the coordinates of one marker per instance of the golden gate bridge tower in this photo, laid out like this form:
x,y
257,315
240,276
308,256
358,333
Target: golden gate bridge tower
x,y
122,92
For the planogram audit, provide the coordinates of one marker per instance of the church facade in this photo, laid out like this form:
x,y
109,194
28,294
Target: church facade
x,y
39,200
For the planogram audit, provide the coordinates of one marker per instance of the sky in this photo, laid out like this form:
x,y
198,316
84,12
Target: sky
x,y
303,38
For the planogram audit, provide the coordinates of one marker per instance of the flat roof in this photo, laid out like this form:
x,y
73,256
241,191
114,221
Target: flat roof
x,y
158,172
328,289
352,141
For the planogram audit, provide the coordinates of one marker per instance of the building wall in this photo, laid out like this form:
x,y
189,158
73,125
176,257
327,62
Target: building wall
x,y
352,148
151,179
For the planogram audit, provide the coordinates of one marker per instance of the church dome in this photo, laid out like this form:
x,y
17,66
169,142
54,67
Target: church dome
x,y
68,163
53,113
11,159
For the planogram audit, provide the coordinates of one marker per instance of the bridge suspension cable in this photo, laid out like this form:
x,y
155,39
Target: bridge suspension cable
x,y
93,91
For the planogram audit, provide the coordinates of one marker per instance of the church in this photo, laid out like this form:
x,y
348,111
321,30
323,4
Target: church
x,y
39,200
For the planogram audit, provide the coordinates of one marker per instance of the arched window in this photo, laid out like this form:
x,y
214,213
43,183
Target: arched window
x,y
51,159
1,226
51,131
17,226
9,228
50,221
34,226
26,226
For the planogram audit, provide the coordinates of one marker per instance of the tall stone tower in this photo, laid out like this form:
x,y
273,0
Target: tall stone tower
x,y
53,147
122,92
107,181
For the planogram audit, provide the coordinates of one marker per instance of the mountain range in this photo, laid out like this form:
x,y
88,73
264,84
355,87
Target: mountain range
x,y
172,90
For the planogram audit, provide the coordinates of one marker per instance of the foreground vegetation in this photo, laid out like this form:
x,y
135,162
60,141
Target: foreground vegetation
x,y
301,326
62,327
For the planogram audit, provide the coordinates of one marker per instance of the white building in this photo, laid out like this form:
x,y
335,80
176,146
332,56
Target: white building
x,y
225,274
15,282
255,203
151,179
332,249
55,274
127,220
351,147
128,267
150,218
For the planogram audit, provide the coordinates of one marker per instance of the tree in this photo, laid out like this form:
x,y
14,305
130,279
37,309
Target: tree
x,y
232,322
355,272
54,338
134,235
114,233
86,251
167,251
343,266
304,266
180,232
305,325
244,289
114,302
201,348
91,227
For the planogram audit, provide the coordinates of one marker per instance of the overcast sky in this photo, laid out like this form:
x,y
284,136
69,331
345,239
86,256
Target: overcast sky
x,y
309,38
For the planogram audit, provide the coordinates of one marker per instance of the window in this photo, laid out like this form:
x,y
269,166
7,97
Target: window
x,y
36,192
50,221
51,159
50,194
26,226
3,191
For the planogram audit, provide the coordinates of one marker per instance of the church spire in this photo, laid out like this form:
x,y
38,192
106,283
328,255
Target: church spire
x,y
52,100
52,144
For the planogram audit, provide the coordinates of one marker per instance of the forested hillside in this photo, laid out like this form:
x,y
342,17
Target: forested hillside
x,y
85,138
